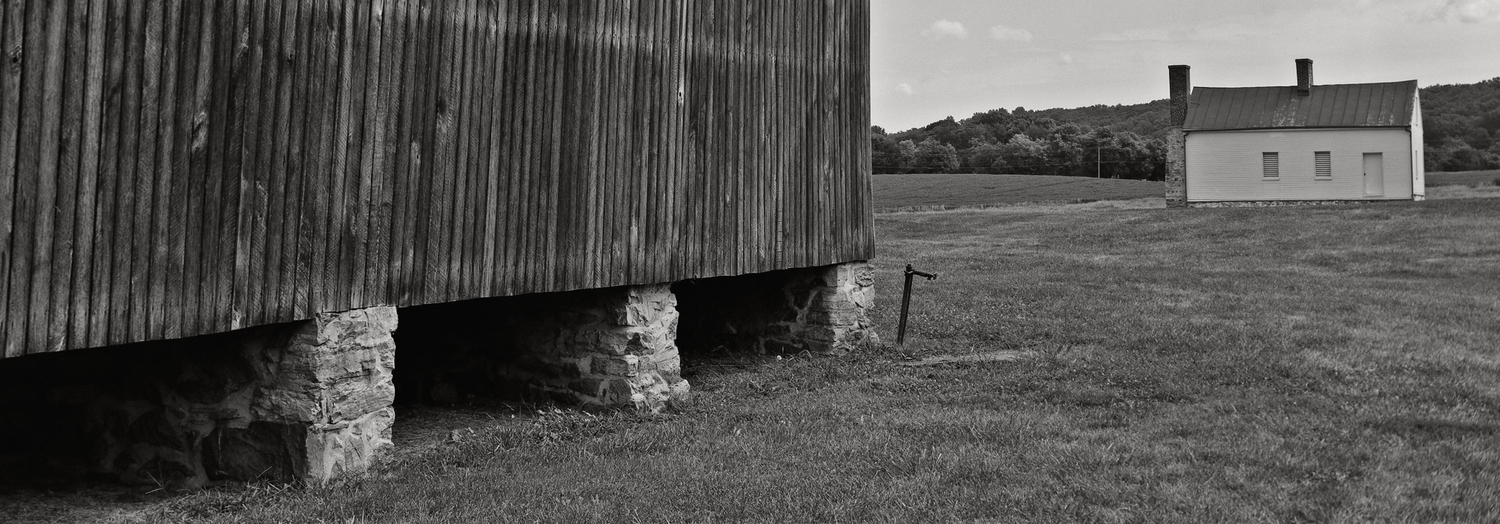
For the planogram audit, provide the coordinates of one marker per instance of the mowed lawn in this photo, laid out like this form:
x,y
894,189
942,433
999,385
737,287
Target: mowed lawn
x,y
1308,364
937,191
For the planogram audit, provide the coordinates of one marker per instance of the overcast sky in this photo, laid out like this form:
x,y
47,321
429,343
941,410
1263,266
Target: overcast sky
x,y
936,58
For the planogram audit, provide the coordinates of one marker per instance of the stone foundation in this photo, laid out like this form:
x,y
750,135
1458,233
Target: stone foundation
x,y
305,401
311,401
821,310
597,347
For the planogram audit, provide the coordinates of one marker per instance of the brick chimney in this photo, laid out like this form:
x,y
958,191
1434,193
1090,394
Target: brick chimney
x,y
1304,76
1180,84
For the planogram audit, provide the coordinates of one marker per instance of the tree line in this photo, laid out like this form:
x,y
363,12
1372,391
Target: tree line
x,y
1075,142
1461,133
1461,126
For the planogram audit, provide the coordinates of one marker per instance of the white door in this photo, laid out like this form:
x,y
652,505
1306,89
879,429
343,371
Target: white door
x,y
1374,174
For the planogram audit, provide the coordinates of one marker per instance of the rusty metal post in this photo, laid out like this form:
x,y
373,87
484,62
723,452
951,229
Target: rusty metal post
x,y
906,301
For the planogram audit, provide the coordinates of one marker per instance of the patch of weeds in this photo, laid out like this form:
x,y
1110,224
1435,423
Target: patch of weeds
x,y
1418,428
225,499
1083,396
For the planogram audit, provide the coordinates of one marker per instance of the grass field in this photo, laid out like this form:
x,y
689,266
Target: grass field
x,y
1319,364
1464,178
915,192
954,191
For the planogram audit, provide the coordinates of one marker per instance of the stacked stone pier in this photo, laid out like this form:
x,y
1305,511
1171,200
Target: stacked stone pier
x,y
315,400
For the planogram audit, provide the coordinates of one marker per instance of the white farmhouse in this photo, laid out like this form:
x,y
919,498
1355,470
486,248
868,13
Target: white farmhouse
x,y
1294,143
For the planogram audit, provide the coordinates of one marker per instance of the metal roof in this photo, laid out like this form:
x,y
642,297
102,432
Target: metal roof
x,y
1386,104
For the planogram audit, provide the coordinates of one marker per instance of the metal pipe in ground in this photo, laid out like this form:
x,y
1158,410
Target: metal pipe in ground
x,y
906,301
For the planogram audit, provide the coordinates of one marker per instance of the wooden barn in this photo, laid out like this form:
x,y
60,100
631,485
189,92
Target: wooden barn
x,y
1308,142
215,215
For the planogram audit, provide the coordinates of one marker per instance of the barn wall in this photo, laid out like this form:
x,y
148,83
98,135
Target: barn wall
x,y
173,167
1226,165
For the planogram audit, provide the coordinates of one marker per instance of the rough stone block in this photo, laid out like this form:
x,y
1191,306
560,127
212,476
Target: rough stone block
x,y
625,366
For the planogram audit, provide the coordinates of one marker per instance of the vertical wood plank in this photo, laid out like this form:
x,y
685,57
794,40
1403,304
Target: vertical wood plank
x,y
250,176
677,138
323,109
70,179
167,170
284,197
12,18
121,299
259,295
150,26
357,242
336,271
226,134
478,277
552,150
440,213
195,320
113,60
185,143
526,150
88,171
408,149
425,187
396,21
40,155
650,247
297,57
460,219
509,228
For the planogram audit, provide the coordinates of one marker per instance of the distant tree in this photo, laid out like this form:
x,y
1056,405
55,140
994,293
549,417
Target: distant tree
x,y
885,156
936,157
908,155
1022,155
981,157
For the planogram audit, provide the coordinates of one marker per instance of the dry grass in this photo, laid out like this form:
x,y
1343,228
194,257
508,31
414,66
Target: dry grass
x,y
1317,364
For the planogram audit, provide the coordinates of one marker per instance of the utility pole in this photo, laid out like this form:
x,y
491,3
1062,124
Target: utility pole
x,y
1098,163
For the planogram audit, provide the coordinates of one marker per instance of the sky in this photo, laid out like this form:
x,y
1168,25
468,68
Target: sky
x,y
938,58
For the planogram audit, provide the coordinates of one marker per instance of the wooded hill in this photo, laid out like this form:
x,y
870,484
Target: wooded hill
x,y
1461,133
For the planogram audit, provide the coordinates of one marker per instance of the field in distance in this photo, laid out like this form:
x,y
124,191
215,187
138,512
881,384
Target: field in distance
x,y
947,191
897,192
1465,178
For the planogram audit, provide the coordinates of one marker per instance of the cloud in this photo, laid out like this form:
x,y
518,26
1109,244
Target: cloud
x,y
1064,58
1133,36
949,28
905,89
1000,32
1466,11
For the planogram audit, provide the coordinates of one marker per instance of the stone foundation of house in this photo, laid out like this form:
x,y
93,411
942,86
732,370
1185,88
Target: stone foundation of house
x,y
313,400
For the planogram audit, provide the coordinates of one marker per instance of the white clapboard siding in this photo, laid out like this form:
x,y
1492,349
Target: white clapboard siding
x,y
1419,160
1228,165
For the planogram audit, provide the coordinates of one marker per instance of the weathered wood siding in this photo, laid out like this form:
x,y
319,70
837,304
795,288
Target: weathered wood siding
x,y
178,167
1226,165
